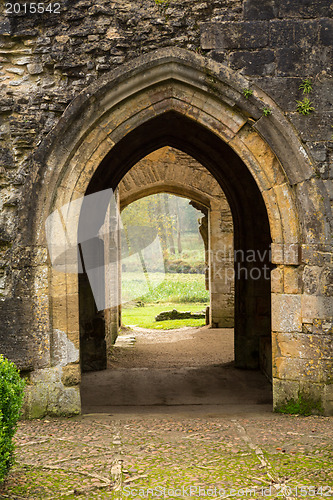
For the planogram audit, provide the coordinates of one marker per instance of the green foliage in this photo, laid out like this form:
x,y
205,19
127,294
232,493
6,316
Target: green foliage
x,y
247,93
162,4
306,86
303,405
304,107
173,219
266,111
144,317
11,396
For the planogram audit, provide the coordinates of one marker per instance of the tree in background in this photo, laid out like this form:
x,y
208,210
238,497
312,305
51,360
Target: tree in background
x,y
173,218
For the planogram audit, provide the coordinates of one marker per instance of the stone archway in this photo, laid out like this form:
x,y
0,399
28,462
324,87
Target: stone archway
x,y
169,170
176,98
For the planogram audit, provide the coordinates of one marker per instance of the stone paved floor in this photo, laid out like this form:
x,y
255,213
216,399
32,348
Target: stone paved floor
x,y
188,366
177,451
184,454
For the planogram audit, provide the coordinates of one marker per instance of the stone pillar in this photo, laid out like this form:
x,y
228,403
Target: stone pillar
x,y
112,276
302,326
221,266
53,387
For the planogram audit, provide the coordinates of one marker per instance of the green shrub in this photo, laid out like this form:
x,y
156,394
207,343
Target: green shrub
x,y
11,396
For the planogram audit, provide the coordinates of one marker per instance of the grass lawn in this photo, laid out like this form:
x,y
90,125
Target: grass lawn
x,y
169,287
144,317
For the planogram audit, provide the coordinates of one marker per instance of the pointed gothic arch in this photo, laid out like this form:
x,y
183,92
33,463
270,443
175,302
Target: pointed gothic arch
x,y
178,98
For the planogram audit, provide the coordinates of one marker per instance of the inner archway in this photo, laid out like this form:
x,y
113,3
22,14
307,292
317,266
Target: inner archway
x,y
168,170
168,289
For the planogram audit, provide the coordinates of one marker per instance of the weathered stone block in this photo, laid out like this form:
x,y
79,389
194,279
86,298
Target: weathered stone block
x,y
277,253
289,33
224,322
318,150
323,326
277,280
289,61
5,27
321,119
6,156
64,350
328,399
300,8
241,35
35,68
254,62
303,370
64,401
315,203
313,256
292,280
326,32
220,287
47,375
326,287
61,282
311,279
35,403
302,346
314,306
48,396
65,312
284,390
253,10
286,313
329,186
71,375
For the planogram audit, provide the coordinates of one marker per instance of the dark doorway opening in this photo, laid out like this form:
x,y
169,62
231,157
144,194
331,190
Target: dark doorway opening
x,y
251,228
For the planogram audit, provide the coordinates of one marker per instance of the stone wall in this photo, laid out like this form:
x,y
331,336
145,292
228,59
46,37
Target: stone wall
x,y
50,63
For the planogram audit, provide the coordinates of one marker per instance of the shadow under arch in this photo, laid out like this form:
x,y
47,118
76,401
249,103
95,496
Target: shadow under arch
x,y
251,224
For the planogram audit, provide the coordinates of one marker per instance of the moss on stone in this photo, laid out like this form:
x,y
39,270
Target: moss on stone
x,y
303,405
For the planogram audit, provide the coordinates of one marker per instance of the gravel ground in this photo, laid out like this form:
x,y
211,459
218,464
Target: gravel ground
x,y
216,451
173,348
122,456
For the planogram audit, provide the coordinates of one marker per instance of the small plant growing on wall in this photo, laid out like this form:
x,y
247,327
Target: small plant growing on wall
x,y
306,86
266,111
247,93
163,4
304,107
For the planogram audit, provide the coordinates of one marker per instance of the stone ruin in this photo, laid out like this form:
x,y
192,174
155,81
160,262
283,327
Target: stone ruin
x,y
87,93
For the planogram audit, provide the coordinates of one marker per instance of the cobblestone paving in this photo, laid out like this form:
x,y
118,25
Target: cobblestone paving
x,y
254,456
